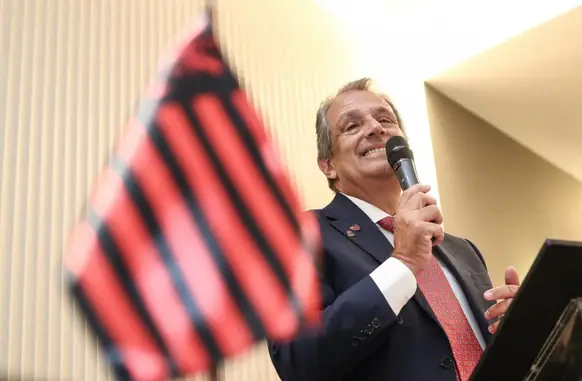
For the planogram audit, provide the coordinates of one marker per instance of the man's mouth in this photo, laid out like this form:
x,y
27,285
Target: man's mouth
x,y
373,151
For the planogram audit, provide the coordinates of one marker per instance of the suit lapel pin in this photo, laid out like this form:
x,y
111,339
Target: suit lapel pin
x,y
350,233
355,227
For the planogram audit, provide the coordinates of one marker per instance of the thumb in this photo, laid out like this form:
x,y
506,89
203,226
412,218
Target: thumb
x,y
511,276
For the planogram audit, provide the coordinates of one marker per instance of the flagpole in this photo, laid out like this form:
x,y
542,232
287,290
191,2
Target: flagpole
x,y
210,6
210,9
214,373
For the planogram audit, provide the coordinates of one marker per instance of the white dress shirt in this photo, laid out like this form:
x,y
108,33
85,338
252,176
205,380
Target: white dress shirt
x,y
397,282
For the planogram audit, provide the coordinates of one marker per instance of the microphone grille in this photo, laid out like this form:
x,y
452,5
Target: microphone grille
x,y
397,148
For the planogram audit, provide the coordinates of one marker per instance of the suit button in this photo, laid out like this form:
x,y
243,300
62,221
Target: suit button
x,y
447,362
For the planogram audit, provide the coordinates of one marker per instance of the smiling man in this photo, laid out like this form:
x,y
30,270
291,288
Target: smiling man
x,y
392,310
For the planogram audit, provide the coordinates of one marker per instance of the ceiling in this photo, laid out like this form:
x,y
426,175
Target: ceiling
x,y
529,87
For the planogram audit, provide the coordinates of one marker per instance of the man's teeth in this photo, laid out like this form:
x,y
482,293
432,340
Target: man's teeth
x,y
374,150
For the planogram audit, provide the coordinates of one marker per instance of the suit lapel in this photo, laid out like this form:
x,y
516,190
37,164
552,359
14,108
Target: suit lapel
x,y
356,226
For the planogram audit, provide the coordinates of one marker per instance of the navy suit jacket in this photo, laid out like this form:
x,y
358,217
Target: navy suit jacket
x,y
360,337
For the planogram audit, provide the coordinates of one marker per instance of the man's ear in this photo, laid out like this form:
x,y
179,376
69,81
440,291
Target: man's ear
x,y
326,166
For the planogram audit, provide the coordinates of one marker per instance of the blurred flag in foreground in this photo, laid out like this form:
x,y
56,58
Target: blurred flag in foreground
x,y
194,245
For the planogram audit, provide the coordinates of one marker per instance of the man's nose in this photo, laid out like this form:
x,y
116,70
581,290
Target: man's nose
x,y
373,127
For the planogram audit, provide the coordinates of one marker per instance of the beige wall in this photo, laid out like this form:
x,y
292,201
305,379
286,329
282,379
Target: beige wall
x,y
71,72
497,193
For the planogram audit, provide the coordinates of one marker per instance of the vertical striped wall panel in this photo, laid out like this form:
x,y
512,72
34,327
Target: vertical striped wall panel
x,y
71,72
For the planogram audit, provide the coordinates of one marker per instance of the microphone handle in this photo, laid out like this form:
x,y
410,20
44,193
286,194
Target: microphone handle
x,y
406,173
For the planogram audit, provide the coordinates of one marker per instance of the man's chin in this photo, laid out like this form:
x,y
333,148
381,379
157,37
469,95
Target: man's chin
x,y
383,171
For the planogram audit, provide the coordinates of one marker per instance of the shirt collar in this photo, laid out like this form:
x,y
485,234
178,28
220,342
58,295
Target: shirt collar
x,y
373,212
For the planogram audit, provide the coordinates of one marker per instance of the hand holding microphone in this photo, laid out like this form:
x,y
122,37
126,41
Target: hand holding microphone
x,y
418,220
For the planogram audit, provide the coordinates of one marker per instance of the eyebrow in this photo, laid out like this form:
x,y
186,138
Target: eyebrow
x,y
382,110
349,115
356,113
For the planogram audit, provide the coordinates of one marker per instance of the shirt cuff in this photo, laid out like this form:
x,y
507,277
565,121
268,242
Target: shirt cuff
x,y
396,282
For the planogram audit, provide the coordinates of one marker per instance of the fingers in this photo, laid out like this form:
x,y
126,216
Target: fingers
x,y
416,192
419,211
420,200
512,284
418,188
501,292
497,310
511,276
496,313
493,327
438,238
433,217
434,230
429,199
431,213
507,293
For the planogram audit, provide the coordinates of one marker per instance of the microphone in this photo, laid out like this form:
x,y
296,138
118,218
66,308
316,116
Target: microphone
x,y
401,159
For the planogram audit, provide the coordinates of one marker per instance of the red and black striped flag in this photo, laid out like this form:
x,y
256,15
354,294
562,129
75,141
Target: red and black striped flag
x,y
194,245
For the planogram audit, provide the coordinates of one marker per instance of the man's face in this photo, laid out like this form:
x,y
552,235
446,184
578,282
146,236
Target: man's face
x,y
361,124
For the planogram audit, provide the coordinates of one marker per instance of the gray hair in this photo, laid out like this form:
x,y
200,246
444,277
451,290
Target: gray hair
x,y
323,129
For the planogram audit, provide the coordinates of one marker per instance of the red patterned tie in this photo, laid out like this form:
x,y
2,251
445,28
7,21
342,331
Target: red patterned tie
x,y
439,294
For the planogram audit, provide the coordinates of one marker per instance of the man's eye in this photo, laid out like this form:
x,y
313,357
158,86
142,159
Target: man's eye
x,y
385,120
